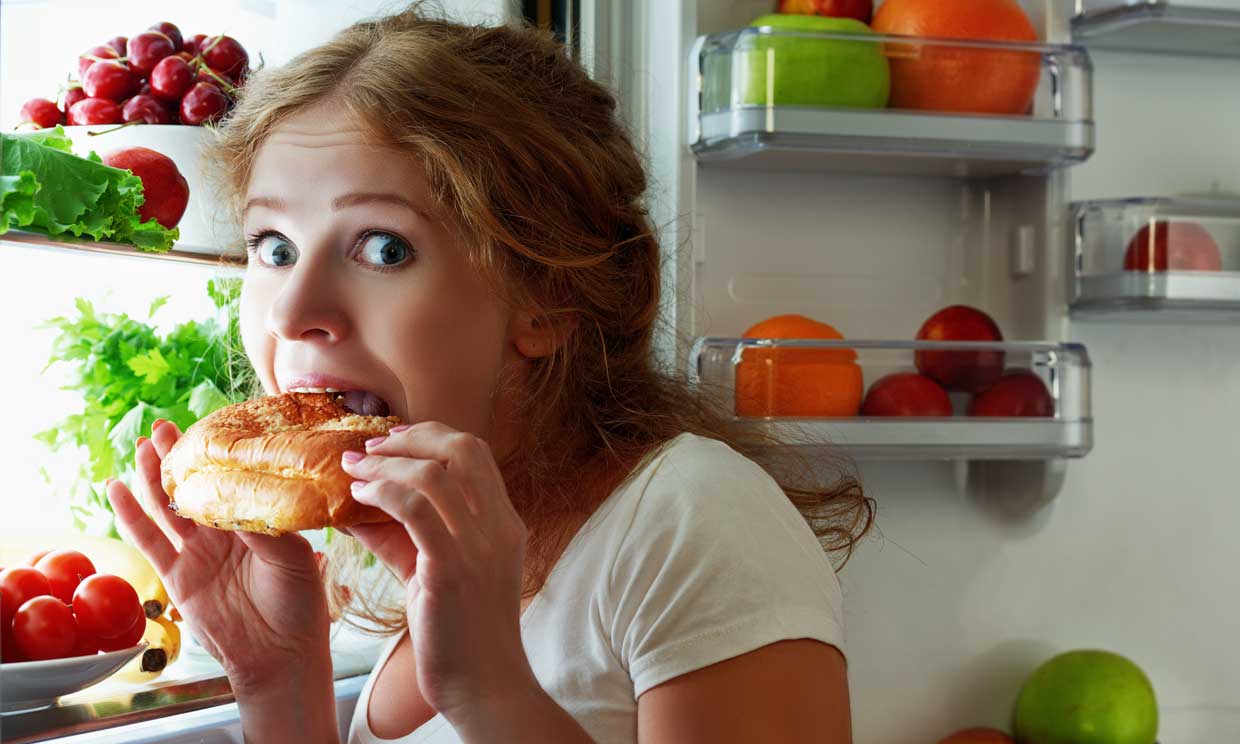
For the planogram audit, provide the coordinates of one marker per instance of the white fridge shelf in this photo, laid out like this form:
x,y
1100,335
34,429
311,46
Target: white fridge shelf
x,y
771,383
1158,27
783,117
180,253
1169,258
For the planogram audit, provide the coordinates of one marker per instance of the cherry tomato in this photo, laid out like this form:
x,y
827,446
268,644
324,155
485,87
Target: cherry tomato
x,y
64,570
128,640
9,652
87,644
17,585
44,629
35,557
106,605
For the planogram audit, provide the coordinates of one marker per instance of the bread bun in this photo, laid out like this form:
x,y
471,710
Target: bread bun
x,y
271,465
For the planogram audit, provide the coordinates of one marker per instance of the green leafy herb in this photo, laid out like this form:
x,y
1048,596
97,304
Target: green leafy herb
x,y
129,375
44,187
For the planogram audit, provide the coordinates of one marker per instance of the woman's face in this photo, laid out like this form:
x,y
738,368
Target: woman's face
x,y
354,284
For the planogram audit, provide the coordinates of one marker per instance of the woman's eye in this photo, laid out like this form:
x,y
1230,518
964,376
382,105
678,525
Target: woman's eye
x,y
274,250
384,249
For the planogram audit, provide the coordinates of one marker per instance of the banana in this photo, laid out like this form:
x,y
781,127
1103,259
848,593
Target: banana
x,y
109,556
164,637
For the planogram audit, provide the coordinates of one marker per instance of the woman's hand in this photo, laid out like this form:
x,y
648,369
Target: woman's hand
x,y
458,546
256,602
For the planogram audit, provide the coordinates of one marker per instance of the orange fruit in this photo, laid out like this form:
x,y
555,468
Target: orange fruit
x,y
796,382
938,77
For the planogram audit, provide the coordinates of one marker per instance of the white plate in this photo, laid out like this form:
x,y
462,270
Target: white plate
x,y
25,685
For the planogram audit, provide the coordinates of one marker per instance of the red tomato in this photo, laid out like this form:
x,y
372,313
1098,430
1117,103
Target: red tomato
x,y
1015,394
1178,245
44,629
87,644
64,570
105,605
35,557
9,652
17,585
128,640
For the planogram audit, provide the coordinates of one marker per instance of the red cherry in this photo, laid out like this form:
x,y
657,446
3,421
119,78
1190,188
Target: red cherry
x,y
172,32
146,49
94,111
72,96
41,112
109,79
194,43
145,109
165,190
171,78
120,44
184,55
225,54
90,56
203,103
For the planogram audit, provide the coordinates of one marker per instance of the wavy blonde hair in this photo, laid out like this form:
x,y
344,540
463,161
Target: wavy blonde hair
x,y
525,154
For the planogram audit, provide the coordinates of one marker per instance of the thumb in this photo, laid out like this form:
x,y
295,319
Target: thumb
x,y
290,550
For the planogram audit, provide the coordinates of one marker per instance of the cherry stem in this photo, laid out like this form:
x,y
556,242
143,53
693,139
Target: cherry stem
x,y
113,129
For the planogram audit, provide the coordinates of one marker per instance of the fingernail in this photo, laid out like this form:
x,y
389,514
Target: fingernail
x,y
402,427
356,486
138,443
157,423
352,457
375,441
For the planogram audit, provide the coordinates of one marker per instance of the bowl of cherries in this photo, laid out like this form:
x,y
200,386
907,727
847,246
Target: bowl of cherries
x,y
158,76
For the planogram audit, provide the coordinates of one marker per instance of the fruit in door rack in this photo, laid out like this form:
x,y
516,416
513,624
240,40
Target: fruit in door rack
x,y
960,371
1175,246
165,190
941,77
777,70
1087,697
978,736
1016,394
862,10
804,382
906,394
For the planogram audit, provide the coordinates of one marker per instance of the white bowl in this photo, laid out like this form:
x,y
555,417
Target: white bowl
x,y
204,227
26,685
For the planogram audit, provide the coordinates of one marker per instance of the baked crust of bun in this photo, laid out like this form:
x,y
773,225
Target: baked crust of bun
x,y
271,465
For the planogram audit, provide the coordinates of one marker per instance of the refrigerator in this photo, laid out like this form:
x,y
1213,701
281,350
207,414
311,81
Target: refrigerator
x,y
998,543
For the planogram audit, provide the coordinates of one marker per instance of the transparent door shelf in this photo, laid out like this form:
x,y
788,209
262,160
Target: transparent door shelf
x,y
1158,27
775,99
21,238
1174,258
816,368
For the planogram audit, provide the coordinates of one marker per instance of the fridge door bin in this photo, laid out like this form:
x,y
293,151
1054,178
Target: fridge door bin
x,y
1159,27
815,393
775,99
1157,258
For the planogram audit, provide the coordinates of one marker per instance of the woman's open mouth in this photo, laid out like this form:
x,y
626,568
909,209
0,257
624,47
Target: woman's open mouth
x,y
361,402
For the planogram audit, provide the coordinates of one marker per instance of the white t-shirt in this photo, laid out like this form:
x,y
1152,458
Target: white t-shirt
x,y
696,558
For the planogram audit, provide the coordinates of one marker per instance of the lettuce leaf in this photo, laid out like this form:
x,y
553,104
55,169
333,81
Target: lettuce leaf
x,y
74,196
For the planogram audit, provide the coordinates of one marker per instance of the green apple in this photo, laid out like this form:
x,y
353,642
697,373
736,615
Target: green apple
x,y
786,70
1087,697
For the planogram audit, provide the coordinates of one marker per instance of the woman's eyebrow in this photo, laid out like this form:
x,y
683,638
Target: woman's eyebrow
x,y
367,197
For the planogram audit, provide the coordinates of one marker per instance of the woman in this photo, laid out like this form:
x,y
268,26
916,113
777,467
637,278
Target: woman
x,y
451,219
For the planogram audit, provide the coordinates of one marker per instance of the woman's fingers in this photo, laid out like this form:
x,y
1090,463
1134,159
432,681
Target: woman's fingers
x,y
147,535
164,434
151,486
418,515
427,477
391,544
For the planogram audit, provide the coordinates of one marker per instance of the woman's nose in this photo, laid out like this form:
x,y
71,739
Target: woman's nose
x,y
308,306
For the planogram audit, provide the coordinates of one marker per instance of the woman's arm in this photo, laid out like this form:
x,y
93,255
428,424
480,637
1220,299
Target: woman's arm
x,y
790,692
298,707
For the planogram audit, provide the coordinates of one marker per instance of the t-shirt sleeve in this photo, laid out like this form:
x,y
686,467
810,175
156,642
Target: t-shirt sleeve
x,y
715,563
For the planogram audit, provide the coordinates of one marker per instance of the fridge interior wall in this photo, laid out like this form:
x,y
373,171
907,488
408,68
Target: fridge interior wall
x,y
955,598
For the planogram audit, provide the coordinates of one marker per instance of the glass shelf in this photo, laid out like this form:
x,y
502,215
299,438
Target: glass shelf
x,y
1158,27
1173,258
21,238
777,99
816,393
